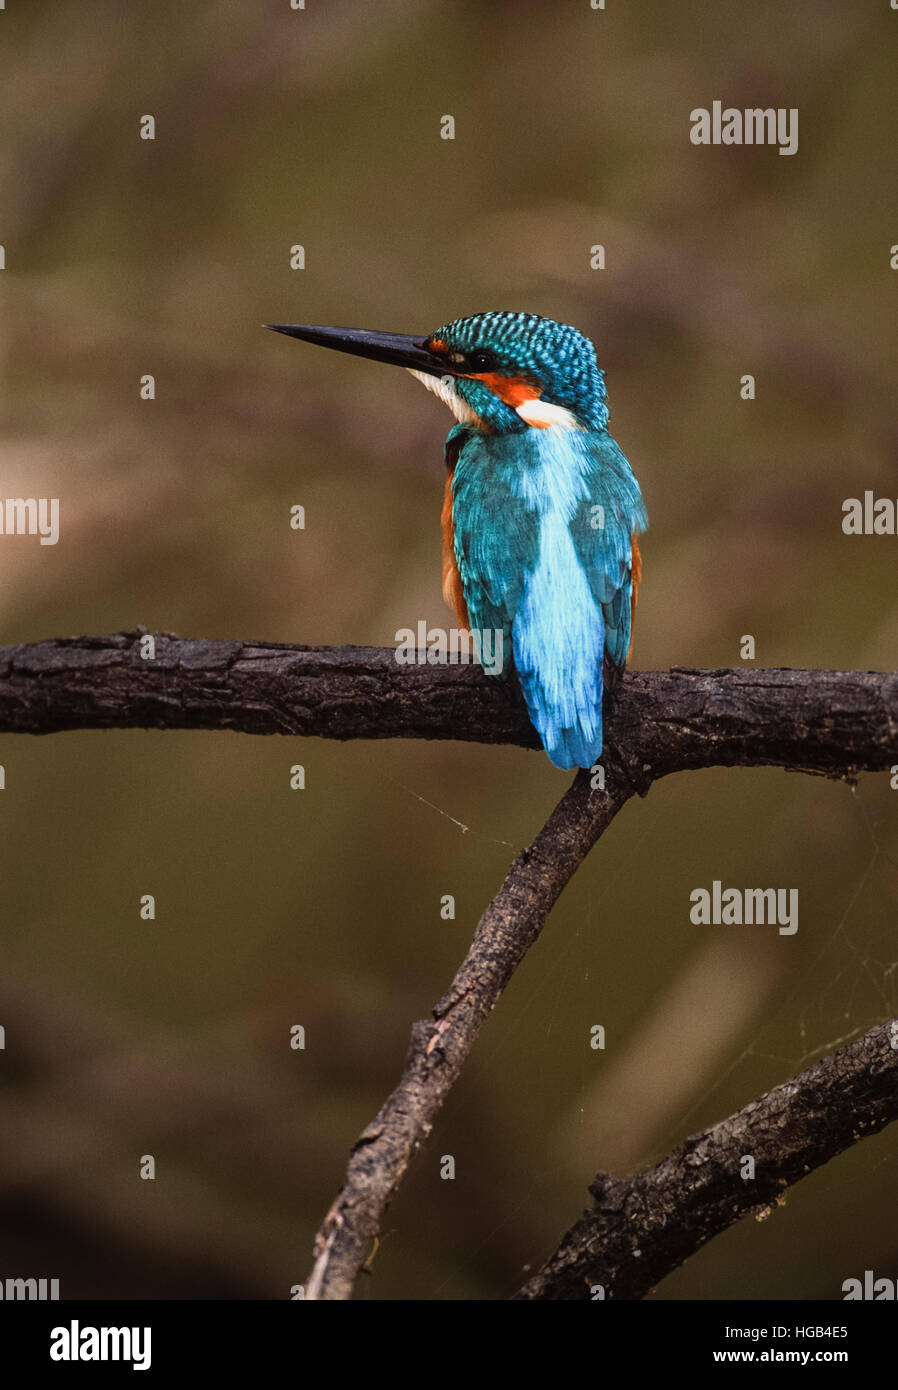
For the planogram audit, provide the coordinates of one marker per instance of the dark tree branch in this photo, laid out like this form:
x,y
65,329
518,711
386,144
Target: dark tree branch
x,y
833,722
251,688
506,931
643,1227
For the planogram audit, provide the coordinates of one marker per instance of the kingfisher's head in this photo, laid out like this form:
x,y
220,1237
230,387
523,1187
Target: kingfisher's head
x,y
503,372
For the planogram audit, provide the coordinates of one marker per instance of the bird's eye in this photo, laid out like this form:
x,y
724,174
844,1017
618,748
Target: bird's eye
x,y
481,361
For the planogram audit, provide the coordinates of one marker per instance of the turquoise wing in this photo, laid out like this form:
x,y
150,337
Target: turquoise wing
x,y
495,536
602,529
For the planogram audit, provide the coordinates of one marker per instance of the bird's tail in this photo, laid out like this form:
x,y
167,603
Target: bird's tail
x,y
564,699
574,747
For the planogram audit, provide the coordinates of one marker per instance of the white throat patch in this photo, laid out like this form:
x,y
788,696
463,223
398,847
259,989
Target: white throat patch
x,y
444,387
544,415
537,413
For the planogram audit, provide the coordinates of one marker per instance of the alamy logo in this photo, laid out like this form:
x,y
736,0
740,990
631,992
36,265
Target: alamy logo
x,y
874,516
731,907
756,125
30,516
27,1289
435,646
77,1343
872,1289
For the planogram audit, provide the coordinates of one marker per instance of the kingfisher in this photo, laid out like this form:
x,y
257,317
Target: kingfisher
x,y
541,510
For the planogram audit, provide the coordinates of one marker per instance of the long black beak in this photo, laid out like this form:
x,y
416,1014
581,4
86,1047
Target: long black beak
x,y
400,348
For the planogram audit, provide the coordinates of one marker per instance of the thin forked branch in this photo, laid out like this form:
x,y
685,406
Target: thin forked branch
x,y
439,1046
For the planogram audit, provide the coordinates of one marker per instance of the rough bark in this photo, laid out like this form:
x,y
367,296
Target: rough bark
x,y
643,1227
832,722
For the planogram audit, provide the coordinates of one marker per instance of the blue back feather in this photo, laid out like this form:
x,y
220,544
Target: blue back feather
x,y
543,521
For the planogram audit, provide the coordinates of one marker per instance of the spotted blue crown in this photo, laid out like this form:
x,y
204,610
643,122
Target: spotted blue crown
x,y
555,356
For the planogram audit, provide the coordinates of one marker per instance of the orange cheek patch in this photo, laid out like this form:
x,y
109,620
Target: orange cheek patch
x,y
513,390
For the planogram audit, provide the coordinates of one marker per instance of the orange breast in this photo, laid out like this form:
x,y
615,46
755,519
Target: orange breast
x,y
636,566
453,592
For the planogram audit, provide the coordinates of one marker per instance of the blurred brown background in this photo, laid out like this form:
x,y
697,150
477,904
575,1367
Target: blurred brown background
x,y
275,907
